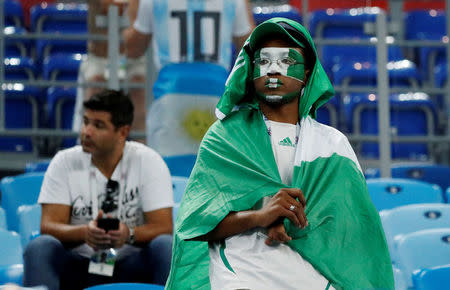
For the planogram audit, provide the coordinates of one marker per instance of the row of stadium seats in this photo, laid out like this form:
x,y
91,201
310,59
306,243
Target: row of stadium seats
x,y
329,23
412,214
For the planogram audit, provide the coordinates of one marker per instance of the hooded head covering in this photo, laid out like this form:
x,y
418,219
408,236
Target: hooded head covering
x,y
239,85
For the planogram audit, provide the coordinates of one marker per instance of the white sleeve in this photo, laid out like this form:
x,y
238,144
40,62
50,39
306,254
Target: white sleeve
x,y
144,18
241,24
157,190
55,187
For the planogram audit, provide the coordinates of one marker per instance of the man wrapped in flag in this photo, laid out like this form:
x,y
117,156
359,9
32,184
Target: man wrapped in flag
x,y
277,200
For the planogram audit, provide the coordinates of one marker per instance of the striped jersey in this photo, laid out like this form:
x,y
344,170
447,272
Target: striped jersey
x,y
192,30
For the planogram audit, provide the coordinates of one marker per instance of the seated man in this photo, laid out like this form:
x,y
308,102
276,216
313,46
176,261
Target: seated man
x,y
106,176
279,197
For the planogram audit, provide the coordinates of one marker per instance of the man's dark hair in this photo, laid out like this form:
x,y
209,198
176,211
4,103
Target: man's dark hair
x,y
117,103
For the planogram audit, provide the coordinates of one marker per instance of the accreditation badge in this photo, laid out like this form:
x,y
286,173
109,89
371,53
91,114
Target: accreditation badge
x,y
102,262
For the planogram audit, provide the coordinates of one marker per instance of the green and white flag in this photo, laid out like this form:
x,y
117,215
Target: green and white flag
x,y
236,168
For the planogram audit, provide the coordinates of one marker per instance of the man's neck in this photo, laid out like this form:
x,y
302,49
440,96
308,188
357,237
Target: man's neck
x,y
107,163
287,113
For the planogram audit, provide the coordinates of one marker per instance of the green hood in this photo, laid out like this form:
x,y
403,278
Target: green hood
x,y
238,88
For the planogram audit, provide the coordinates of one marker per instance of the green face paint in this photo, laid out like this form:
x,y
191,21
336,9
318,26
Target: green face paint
x,y
279,60
268,62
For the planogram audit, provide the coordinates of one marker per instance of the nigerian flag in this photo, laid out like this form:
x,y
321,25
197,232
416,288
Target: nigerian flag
x,y
236,168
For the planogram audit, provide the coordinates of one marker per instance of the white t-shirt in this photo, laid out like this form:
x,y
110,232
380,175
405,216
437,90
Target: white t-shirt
x,y
244,261
188,31
144,184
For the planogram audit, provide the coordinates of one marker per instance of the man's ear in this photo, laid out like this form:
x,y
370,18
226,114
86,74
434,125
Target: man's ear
x,y
125,131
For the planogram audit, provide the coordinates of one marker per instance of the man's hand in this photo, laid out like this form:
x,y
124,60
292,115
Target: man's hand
x,y
289,203
119,237
277,234
96,237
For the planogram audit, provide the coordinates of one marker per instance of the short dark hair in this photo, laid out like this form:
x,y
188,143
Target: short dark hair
x,y
117,103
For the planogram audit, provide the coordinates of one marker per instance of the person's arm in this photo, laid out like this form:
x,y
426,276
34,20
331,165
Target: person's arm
x,y
239,40
278,207
136,42
55,221
157,222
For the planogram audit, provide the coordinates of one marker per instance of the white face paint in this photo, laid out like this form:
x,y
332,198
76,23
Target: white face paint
x,y
274,65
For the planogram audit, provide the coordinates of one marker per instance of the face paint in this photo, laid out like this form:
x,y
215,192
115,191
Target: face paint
x,y
279,60
273,83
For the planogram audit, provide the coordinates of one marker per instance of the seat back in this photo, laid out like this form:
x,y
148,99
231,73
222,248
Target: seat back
x,y
121,286
29,222
3,225
19,190
432,278
11,260
423,249
39,166
387,193
411,218
13,13
179,186
265,12
180,165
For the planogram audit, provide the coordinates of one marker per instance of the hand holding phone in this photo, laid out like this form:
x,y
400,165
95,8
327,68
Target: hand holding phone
x,y
108,223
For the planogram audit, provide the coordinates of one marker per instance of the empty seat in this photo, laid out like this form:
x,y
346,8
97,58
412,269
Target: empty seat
x,y
13,13
19,68
265,12
412,114
432,278
179,185
38,166
180,165
62,66
15,47
426,25
29,222
61,105
431,173
121,286
328,113
11,261
388,193
411,218
423,249
59,19
186,95
23,103
19,190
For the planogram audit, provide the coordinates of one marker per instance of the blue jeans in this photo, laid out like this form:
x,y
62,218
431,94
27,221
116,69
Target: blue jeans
x,y
48,262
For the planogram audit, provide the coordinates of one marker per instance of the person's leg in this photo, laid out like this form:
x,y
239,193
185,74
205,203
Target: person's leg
x,y
150,264
47,262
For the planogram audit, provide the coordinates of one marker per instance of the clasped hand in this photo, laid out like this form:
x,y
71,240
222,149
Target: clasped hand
x,y
98,238
286,203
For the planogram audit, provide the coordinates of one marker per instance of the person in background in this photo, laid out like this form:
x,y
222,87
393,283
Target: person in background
x,y
104,177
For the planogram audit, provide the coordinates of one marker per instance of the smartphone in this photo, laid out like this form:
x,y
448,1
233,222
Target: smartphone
x,y
108,223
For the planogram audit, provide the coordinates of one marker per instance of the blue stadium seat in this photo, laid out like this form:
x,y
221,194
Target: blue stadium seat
x,y
11,261
16,47
38,166
432,278
440,74
29,222
399,279
186,95
423,249
180,165
123,286
411,114
19,68
175,209
388,193
62,66
431,173
3,225
59,19
61,105
179,185
426,25
447,195
23,105
328,113
412,218
13,13
263,13
19,190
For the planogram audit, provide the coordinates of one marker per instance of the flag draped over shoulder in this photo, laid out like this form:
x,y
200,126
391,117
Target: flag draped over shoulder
x,y
235,168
